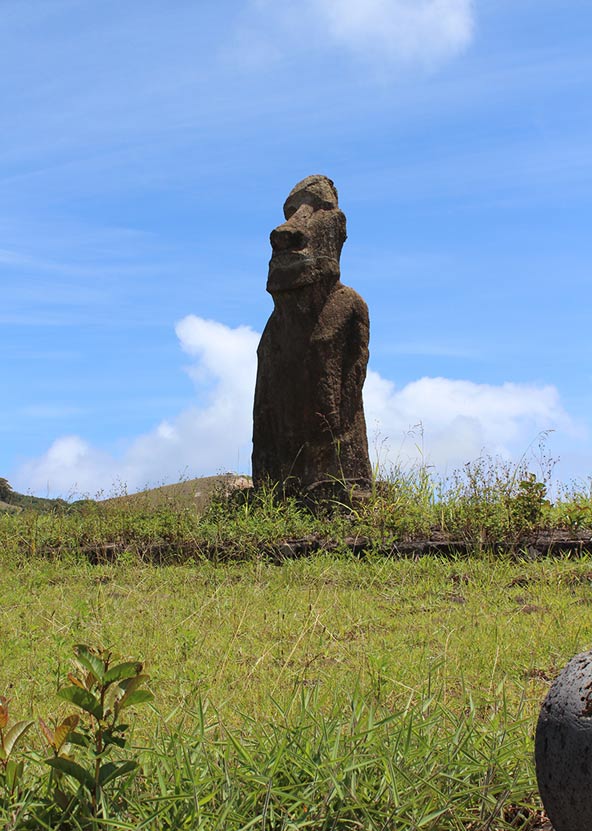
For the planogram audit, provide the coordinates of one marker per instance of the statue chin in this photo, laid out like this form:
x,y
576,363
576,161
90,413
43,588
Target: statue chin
x,y
285,275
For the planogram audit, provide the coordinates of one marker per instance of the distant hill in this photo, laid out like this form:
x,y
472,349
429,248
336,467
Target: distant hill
x,y
195,493
15,502
192,493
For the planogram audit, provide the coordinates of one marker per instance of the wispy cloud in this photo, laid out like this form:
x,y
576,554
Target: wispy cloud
x,y
493,173
380,32
459,420
67,275
424,30
51,411
425,348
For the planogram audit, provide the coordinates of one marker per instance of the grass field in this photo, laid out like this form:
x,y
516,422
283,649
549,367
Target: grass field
x,y
327,692
243,634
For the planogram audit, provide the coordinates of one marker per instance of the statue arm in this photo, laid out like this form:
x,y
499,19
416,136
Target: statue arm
x,y
343,358
354,364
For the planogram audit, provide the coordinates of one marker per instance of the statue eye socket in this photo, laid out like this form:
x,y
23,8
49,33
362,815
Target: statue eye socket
x,y
306,200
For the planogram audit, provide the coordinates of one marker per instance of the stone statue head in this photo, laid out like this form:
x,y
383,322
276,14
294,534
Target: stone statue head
x,y
307,246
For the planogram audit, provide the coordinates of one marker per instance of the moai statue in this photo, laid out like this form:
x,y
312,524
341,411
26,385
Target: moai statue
x,y
309,431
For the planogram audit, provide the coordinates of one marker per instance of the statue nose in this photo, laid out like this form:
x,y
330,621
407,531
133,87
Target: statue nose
x,y
285,238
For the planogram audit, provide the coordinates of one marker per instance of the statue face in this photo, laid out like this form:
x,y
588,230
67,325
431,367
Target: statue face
x,y
307,246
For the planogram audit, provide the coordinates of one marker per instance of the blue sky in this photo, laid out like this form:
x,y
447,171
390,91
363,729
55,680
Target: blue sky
x,y
145,153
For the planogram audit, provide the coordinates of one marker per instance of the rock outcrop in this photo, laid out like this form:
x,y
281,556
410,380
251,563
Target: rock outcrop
x,y
563,747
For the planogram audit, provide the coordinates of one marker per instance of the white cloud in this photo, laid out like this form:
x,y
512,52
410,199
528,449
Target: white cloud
x,y
424,30
460,419
380,31
69,468
224,354
212,436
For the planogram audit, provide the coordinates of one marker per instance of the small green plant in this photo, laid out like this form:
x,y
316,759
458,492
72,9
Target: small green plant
x,y
576,515
528,505
11,770
101,692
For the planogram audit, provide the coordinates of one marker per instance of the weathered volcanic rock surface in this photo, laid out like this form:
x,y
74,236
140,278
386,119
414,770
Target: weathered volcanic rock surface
x,y
309,431
563,747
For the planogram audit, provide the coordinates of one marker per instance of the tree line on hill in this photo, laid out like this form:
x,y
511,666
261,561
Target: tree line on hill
x,y
11,500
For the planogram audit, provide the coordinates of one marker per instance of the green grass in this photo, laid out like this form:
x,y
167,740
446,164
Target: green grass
x,y
412,683
487,505
366,767
327,692
256,632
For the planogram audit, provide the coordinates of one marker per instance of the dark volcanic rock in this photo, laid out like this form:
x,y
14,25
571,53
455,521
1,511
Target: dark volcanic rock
x,y
563,747
309,431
